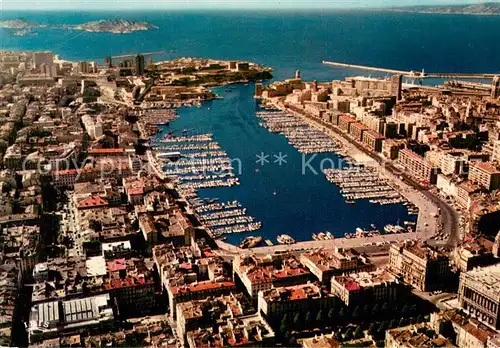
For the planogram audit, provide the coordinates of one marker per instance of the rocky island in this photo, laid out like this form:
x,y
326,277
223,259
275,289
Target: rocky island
x,y
485,9
115,26
21,27
18,24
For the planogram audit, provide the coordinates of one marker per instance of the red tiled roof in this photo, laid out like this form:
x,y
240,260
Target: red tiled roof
x,y
486,167
352,286
103,151
117,265
92,202
358,125
65,171
347,118
375,134
200,286
133,191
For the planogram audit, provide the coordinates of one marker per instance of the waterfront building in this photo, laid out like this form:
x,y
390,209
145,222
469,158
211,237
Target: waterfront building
x,y
139,65
417,166
397,86
465,192
479,294
356,130
276,302
485,175
345,122
84,67
450,162
262,273
447,185
415,336
495,87
325,263
423,267
373,140
39,58
358,289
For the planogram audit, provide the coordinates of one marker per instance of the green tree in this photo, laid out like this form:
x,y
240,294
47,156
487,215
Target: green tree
x,y
348,334
404,310
402,322
331,314
308,319
285,320
413,308
297,321
342,313
291,341
338,336
283,328
358,333
320,317
356,313
385,308
366,310
383,326
393,324
287,335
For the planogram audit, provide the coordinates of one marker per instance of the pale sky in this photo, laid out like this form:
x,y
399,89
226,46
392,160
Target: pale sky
x,y
83,5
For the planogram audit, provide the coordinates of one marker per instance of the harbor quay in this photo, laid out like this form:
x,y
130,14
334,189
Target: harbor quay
x,y
427,224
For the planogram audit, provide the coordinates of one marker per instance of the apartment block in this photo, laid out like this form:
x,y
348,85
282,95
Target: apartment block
x,y
417,166
423,267
369,287
373,140
485,175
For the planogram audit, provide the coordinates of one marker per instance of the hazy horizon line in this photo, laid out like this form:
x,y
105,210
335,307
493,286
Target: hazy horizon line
x,y
245,8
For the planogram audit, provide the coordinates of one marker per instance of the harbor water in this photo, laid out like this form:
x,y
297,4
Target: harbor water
x,y
281,197
285,198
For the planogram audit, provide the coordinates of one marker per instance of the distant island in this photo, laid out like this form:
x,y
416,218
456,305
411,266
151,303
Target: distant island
x,y
115,26
485,9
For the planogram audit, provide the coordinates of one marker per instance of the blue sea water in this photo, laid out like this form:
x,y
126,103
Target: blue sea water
x,y
284,199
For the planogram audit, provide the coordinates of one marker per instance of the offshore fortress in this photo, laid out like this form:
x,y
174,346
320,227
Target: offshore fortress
x,y
106,240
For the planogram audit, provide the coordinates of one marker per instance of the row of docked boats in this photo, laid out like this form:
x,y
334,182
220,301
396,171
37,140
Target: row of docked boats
x,y
304,138
363,183
195,162
323,236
